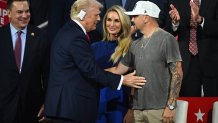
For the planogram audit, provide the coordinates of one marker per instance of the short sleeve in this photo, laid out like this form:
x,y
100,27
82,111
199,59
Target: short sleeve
x,y
128,59
171,49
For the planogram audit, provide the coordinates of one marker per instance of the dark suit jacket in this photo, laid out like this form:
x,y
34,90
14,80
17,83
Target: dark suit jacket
x,y
22,95
207,37
74,77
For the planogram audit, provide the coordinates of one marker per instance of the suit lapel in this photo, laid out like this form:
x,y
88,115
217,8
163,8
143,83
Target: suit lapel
x,y
203,7
9,47
28,46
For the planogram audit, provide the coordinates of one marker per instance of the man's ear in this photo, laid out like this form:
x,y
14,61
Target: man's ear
x,y
146,19
9,13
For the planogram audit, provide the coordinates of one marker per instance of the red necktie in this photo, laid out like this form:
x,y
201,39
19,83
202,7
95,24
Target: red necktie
x,y
87,35
193,48
17,49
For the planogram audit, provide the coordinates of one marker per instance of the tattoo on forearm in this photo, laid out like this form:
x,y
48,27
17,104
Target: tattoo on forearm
x,y
176,79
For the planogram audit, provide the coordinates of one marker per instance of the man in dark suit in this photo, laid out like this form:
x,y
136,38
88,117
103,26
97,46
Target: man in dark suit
x,y
23,66
72,95
199,68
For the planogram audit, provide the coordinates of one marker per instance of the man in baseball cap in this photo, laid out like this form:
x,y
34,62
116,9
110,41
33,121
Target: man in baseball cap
x,y
145,8
156,57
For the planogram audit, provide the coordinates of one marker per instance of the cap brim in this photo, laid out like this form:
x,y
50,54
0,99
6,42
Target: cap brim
x,y
131,13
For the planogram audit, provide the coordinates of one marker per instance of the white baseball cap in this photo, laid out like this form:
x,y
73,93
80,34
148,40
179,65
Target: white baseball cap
x,y
145,8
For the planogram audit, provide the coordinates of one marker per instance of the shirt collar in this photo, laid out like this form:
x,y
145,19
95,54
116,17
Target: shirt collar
x,y
76,21
14,30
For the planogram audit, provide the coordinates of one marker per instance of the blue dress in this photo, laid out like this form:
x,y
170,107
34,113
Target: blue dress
x,y
113,103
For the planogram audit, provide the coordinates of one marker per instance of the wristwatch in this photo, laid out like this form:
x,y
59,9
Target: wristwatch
x,y
171,106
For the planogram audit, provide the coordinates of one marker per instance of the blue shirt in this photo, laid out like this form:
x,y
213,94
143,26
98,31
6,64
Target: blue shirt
x,y
23,40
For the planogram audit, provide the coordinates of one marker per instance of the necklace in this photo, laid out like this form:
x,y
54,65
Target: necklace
x,y
148,39
145,45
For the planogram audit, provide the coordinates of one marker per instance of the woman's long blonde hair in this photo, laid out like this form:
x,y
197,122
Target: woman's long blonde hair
x,y
124,35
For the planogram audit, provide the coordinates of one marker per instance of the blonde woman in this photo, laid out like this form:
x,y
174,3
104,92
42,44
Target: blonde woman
x,y
115,44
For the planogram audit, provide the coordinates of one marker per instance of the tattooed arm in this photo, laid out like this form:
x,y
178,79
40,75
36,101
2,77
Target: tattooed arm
x,y
175,84
176,80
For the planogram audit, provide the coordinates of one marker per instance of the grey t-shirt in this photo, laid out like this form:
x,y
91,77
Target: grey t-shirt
x,y
150,58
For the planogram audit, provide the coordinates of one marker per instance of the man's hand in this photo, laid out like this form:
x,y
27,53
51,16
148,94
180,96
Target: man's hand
x,y
168,115
174,14
195,12
40,115
133,81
